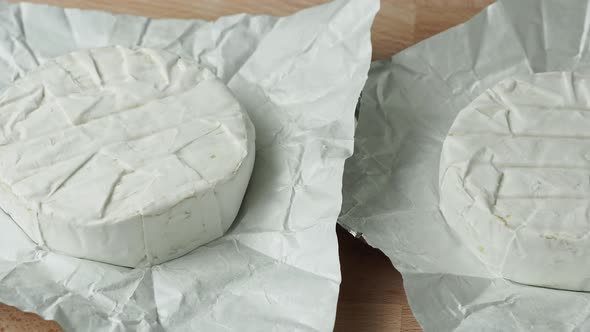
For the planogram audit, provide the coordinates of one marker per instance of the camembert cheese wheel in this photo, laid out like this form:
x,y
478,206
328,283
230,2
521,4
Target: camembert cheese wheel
x,y
515,179
126,156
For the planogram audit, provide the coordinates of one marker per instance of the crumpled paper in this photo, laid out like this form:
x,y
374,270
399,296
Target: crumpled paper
x,y
391,183
277,269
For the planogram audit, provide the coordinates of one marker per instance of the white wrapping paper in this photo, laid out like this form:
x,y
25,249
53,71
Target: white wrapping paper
x,y
391,183
277,269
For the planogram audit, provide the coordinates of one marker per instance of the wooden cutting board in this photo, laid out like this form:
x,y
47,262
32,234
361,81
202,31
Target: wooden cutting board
x,y
372,297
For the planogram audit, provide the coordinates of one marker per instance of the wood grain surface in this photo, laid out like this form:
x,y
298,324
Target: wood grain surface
x,y
399,23
15,320
372,297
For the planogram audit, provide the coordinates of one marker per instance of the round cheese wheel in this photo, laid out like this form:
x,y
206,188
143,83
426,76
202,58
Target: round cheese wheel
x,y
129,157
515,179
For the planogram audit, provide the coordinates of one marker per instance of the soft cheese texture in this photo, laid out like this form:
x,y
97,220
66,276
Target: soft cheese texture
x,y
515,179
130,157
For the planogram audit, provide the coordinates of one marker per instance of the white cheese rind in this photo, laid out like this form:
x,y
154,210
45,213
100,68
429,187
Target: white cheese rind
x,y
129,157
515,179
